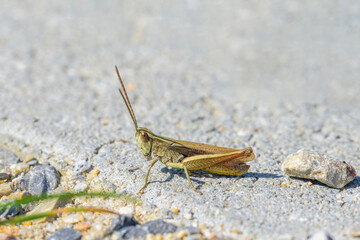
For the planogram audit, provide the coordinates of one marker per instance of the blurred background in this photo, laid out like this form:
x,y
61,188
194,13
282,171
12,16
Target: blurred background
x,y
261,52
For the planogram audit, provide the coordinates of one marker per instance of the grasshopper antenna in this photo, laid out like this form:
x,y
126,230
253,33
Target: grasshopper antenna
x,y
126,99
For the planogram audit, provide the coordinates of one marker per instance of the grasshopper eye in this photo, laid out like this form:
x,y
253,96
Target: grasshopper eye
x,y
144,136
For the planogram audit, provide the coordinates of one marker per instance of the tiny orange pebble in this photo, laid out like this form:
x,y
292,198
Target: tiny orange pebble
x,y
105,121
94,171
283,185
130,86
181,234
150,237
212,236
235,230
175,210
82,226
27,223
159,237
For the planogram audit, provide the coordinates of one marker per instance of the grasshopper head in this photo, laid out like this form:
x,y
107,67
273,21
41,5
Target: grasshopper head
x,y
144,140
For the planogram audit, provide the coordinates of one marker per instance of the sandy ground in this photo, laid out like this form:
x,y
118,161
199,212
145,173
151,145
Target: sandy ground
x,y
276,76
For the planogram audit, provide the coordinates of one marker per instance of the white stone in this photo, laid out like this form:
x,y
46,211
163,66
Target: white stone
x,y
80,187
313,165
126,210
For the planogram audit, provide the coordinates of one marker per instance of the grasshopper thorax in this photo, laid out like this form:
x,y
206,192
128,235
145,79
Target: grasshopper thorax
x,y
144,140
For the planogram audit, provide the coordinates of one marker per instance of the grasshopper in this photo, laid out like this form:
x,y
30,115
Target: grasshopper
x,y
186,155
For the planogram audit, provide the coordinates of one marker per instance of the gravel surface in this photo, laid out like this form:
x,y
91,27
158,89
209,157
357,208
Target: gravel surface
x,y
276,76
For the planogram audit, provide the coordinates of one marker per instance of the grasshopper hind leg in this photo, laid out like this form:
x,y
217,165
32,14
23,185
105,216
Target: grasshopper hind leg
x,y
189,180
182,166
147,175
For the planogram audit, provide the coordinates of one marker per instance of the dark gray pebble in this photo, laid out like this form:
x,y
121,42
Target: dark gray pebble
x,y
41,179
121,221
32,162
9,211
159,226
132,232
65,233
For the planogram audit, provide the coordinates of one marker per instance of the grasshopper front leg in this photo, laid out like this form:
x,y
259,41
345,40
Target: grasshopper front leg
x,y
147,175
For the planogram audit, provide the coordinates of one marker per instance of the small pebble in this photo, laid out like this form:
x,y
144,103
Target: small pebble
x,y
81,187
32,162
321,235
82,226
150,237
355,231
126,210
65,233
73,218
188,215
95,172
212,236
235,230
160,237
29,158
355,234
41,179
105,121
19,168
181,234
5,189
175,210
312,165
159,226
50,227
43,206
130,87
120,221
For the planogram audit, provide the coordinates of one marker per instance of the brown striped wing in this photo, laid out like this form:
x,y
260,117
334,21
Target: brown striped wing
x,y
192,148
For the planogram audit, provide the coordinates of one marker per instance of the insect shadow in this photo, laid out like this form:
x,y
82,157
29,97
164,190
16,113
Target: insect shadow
x,y
172,172
261,175
180,172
